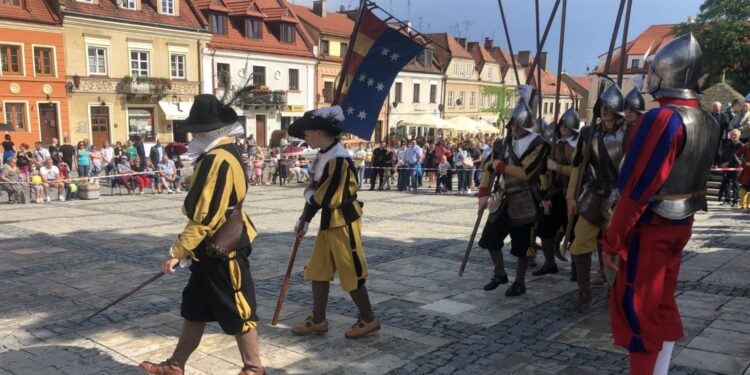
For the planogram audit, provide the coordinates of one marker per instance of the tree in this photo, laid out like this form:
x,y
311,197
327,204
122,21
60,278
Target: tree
x,y
723,31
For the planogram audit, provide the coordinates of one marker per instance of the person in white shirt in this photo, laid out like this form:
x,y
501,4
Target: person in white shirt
x,y
51,177
359,163
40,154
108,156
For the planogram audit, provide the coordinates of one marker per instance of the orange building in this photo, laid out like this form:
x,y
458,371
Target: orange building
x,y
33,91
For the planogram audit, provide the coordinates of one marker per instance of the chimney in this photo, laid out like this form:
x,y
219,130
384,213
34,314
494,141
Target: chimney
x,y
462,42
488,43
691,19
524,58
319,8
543,60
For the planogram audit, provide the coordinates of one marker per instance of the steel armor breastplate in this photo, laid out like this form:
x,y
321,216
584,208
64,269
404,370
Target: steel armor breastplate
x,y
684,191
614,152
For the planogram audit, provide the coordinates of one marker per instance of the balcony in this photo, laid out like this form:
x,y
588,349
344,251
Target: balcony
x,y
265,98
157,87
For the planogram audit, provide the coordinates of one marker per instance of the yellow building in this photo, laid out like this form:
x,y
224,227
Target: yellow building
x,y
133,67
461,85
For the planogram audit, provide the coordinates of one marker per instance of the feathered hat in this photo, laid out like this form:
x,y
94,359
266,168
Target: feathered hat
x,y
324,119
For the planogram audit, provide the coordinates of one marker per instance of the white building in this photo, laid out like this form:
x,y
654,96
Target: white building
x,y
273,49
417,90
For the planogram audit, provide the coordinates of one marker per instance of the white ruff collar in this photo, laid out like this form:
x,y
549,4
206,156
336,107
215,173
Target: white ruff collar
x,y
205,141
321,162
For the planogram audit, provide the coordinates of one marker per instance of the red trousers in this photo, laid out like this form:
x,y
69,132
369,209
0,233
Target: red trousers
x,y
642,302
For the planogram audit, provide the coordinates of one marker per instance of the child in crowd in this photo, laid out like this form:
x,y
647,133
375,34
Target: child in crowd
x,y
37,189
152,176
442,181
258,168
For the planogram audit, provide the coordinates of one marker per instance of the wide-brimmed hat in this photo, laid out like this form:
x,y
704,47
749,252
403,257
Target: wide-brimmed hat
x,y
320,119
207,114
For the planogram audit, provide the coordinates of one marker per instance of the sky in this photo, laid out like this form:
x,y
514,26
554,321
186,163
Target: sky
x,y
588,25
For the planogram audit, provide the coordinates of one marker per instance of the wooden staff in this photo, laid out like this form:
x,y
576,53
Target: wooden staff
x,y
586,153
471,243
285,283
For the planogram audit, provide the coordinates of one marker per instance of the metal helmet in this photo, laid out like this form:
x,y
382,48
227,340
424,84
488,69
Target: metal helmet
x,y
571,120
522,116
675,69
540,126
635,102
612,98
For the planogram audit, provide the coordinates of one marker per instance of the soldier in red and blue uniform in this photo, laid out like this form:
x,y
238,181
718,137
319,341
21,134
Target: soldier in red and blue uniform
x,y
662,184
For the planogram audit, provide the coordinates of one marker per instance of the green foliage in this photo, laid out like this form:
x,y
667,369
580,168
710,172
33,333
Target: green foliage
x,y
499,107
723,31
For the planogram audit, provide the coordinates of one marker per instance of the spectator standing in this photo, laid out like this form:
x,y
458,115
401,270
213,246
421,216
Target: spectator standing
x,y
51,178
476,170
742,122
54,151
9,148
723,119
40,154
131,150
258,168
82,161
729,186
140,150
430,163
442,175
156,153
270,167
459,158
368,162
87,144
378,166
118,150
414,157
108,156
402,168
97,161
67,151
13,181
359,163
24,158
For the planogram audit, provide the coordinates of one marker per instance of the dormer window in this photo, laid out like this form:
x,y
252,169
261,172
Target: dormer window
x,y
287,33
218,23
253,28
13,3
325,47
635,63
128,4
167,7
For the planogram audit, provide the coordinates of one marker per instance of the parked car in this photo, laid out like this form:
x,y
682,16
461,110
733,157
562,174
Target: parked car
x,y
309,153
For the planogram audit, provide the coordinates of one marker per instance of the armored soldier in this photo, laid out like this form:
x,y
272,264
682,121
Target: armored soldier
x,y
663,183
600,148
635,105
555,183
519,160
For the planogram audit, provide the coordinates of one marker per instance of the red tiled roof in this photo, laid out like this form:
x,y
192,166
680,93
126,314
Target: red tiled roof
x,y
32,11
217,5
235,38
582,80
480,54
280,14
647,42
188,17
245,9
549,83
447,48
336,24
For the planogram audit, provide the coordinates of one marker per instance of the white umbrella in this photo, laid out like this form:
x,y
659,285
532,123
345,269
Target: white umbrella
x,y
429,121
464,124
486,127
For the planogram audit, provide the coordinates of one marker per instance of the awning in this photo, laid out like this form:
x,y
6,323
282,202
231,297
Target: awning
x,y
176,111
292,114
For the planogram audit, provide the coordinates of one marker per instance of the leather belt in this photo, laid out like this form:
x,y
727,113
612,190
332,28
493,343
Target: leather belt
x,y
679,197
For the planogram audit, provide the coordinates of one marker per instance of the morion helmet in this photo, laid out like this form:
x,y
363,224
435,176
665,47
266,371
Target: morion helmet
x,y
571,120
675,69
612,98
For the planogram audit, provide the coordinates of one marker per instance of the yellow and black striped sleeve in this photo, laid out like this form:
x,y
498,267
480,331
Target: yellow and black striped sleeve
x,y
336,183
531,164
569,152
487,173
212,190
577,159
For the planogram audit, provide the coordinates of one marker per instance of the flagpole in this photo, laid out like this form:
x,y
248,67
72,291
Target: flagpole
x,y
538,66
560,60
507,38
544,40
624,41
352,41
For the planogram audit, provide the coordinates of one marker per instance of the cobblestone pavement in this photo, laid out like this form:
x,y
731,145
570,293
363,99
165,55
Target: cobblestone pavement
x,y
62,261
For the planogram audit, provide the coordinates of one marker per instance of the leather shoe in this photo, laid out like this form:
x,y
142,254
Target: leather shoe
x,y
495,282
546,270
165,368
516,289
308,326
362,328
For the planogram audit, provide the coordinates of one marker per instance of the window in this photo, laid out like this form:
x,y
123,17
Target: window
x,y
342,51
259,76
218,23
43,63
325,47
141,123
472,99
450,99
293,79
327,92
287,33
97,60
223,75
10,59
167,7
635,63
15,3
397,95
128,4
15,115
433,94
460,101
489,74
253,29
415,99
177,66
425,58
139,63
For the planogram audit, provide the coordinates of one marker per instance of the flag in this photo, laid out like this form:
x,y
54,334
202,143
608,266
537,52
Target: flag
x,y
379,53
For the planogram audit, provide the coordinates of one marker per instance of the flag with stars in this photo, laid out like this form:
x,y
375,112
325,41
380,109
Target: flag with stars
x,y
379,53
